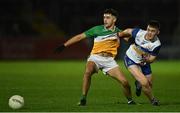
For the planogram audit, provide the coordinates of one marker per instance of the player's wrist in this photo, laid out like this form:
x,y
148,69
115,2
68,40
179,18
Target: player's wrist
x,y
63,46
60,48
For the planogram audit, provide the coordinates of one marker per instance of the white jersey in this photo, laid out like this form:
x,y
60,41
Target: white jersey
x,y
142,46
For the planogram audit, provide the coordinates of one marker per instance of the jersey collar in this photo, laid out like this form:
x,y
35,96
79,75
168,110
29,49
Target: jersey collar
x,y
110,30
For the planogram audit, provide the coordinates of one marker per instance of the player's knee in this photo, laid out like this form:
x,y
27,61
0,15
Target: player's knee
x,y
150,83
144,82
88,74
125,83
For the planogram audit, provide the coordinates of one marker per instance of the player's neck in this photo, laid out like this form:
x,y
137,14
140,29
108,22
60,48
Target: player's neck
x,y
112,28
146,37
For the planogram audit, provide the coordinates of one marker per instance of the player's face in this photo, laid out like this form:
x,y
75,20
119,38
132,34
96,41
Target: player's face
x,y
109,20
151,32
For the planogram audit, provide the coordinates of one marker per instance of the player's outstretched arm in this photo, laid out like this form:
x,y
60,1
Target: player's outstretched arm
x,y
75,39
126,34
69,42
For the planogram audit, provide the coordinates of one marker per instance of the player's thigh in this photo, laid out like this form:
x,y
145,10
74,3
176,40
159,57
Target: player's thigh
x,y
138,75
90,68
117,73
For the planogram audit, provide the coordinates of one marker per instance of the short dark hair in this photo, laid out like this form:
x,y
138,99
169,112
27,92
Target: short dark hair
x,y
154,23
112,12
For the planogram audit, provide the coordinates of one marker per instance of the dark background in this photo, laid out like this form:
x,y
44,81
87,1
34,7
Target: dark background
x,y
31,29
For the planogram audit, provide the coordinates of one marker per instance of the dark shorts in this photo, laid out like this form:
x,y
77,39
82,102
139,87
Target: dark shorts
x,y
146,69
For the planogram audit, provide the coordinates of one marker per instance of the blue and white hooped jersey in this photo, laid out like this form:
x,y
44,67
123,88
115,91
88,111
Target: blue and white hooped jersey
x,y
142,46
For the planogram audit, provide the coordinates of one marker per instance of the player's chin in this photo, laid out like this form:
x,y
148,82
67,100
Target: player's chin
x,y
151,38
107,25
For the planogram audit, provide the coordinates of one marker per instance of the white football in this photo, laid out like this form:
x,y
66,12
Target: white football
x,y
16,102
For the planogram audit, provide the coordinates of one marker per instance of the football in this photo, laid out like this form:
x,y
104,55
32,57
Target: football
x,y
16,102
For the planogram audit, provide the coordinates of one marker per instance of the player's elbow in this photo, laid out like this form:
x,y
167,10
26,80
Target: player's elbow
x,y
125,33
80,36
151,59
128,30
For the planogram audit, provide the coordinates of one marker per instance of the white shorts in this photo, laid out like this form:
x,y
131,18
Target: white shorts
x,y
103,63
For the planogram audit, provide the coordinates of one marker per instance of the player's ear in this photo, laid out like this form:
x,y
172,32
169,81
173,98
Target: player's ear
x,y
114,20
158,32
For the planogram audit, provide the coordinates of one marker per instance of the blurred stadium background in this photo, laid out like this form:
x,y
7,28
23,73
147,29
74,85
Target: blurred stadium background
x,y
31,29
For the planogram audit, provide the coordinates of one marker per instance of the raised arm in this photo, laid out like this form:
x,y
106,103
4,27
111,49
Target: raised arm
x,y
71,41
75,39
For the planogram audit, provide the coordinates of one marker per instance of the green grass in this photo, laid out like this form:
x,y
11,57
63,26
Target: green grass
x,y
56,86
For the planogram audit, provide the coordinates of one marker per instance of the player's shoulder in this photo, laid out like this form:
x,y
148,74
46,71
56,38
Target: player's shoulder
x,y
140,32
98,27
157,41
102,27
117,29
95,29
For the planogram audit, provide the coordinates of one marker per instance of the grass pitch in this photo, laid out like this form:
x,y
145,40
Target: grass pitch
x,y
56,86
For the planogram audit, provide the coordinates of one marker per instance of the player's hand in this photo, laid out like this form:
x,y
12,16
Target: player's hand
x,y
145,58
60,48
142,63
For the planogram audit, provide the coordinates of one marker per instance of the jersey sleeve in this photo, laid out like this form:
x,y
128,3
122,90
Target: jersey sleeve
x,y
91,32
156,50
134,32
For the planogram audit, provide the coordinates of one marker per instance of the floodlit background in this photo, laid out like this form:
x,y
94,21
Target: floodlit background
x,y
30,30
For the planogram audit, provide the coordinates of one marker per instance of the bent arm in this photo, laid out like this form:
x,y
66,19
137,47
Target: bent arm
x,y
153,56
149,58
75,39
